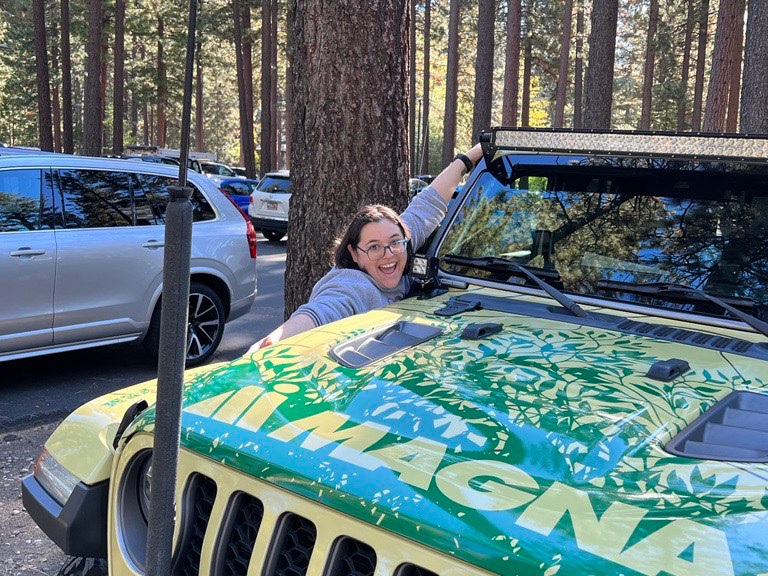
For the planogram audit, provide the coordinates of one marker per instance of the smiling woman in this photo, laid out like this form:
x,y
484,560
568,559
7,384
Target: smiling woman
x,y
371,257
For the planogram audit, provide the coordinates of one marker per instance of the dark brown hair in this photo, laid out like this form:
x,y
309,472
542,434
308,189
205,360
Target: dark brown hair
x,y
365,215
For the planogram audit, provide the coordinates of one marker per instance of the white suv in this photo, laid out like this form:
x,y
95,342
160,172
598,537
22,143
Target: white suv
x,y
269,205
81,256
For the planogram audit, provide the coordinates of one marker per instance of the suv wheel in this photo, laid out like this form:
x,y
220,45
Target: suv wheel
x,y
205,326
272,236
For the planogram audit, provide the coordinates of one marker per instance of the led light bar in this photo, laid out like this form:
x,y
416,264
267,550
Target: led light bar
x,y
624,143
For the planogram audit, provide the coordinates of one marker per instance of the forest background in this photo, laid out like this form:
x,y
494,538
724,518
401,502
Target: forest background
x,y
355,97
677,66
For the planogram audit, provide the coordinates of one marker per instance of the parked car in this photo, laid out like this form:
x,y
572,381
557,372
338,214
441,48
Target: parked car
x,y
239,189
239,170
81,256
578,387
269,205
217,171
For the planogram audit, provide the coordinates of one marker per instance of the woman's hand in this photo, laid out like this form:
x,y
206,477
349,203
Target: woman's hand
x,y
294,325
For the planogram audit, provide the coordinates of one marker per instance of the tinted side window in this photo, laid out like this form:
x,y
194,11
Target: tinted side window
x,y
95,199
237,188
23,206
156,190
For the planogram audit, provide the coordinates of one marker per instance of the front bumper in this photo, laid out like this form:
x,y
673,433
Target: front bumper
x,y
79,527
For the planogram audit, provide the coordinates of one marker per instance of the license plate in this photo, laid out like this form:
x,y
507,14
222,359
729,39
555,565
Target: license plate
x,y
271,205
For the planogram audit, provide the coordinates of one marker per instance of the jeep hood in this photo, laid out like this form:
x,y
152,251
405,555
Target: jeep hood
x,y
536,450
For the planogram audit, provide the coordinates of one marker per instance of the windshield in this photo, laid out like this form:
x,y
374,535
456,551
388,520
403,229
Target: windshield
x,y
702,226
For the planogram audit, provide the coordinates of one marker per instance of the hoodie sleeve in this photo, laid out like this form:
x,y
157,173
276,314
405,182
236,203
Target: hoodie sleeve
x,y
424,214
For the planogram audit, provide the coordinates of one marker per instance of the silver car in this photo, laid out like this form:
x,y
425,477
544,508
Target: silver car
x,y
81,256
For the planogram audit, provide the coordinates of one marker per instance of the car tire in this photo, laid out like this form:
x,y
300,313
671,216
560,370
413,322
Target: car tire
x,y
79,566
272,236
205,326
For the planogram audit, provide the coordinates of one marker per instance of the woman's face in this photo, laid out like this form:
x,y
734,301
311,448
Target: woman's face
x,y
389,269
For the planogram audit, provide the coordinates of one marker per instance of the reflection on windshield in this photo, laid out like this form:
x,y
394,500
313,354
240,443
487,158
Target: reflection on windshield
x,y
701,230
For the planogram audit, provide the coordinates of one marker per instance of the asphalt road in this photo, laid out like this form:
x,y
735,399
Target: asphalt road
x,y
47,388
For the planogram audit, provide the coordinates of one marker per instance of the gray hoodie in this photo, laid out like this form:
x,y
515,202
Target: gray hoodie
x,y
343,292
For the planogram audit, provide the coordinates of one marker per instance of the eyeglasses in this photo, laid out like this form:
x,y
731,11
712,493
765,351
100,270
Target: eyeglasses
x,y
377,251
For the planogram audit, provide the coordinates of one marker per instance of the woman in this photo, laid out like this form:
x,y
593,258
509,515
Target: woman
x,y
370,258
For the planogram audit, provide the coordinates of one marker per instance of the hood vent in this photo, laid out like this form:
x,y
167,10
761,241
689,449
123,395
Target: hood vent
x,y
734,430
371,346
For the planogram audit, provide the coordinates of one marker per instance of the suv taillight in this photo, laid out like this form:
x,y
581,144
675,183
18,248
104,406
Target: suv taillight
x,y
250,231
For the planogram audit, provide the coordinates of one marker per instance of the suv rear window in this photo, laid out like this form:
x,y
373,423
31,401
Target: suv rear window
x,y
275,185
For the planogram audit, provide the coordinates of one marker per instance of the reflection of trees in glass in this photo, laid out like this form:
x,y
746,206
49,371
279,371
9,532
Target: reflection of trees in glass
x,y
697,231
18,213
95,199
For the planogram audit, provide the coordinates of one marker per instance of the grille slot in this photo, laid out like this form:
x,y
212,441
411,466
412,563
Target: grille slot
x,y
200,496
352,558
294,543
735,429
413,570
239,535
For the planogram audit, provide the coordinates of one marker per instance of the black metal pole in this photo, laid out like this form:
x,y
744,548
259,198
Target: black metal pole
x,y
173,343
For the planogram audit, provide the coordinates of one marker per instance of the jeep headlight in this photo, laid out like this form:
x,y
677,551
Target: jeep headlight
x,y
133,508
54,478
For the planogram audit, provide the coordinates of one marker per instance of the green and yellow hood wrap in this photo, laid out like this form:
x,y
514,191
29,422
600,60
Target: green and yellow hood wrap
x,y
537,450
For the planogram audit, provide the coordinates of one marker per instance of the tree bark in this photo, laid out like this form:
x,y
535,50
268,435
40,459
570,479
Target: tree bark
x,y
44,127
250,165
701,63
424,169
451,84
512,65
67,136
722,62
265,154
119,78
412,91
355,84
276,144
648,68
685,72
246,134
199,108
736,58
754,94
600,64
578,70
525,109
92,90
162,82
486,34
565,53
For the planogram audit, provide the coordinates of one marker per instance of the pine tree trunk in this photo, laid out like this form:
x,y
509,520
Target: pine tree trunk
x,y
721,71
276,144
754,94
354,84
425,122
685,72
246,134
92,89
650,61
199,108
600,64
512,65
68,142
249,160
265,154
486,34
565,53
119,78
44,128
734,83
525,110
289,116
162,84
578,70
701,64
412,91
451,84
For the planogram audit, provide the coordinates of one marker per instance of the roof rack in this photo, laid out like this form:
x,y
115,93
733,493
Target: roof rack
x,y
688,145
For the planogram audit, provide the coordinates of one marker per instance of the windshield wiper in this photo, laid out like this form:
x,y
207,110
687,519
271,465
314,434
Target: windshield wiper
x,y
669,289
496,264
